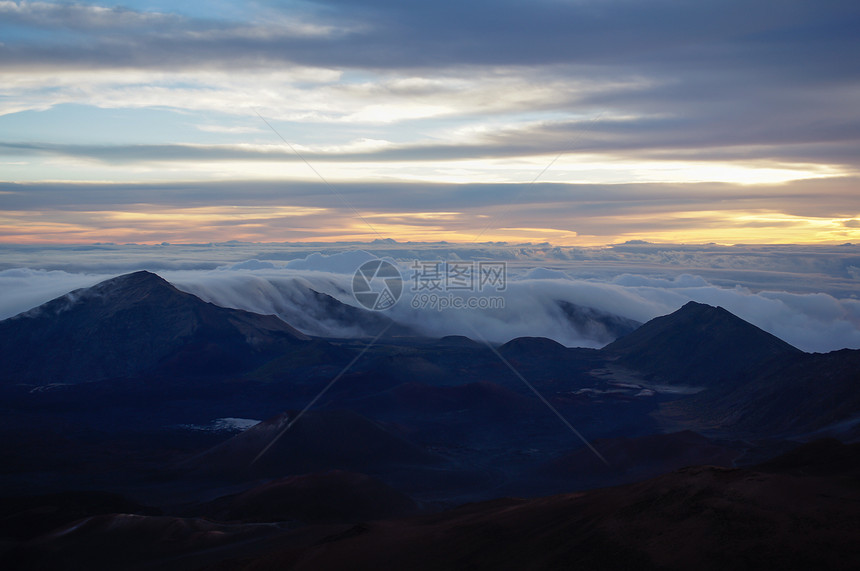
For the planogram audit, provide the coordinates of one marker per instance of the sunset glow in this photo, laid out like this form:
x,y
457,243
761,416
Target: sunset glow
x,y
318,121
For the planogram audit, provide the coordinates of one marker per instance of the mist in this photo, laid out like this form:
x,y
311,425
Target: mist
x,y
535,284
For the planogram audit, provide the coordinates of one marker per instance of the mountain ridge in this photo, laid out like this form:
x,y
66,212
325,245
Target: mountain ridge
x,y
132,325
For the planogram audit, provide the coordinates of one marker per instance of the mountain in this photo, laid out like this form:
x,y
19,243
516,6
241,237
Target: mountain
x,y
27,517
133,325
700,345
534,347
441,421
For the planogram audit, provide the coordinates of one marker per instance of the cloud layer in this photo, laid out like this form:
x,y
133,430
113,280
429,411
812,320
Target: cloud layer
x,y
772,287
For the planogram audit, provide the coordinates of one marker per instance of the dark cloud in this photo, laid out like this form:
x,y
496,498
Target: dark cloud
x,y
776,36
737,80
400,196
796,132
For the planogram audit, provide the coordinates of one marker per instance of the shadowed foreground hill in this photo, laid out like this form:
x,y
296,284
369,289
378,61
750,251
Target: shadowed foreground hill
x,y
133,325
796,512
329,497
694,518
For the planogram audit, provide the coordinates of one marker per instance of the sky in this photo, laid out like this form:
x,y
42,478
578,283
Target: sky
x,y
574,122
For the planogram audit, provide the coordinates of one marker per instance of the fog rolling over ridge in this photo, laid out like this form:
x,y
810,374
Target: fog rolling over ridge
x,y
805,295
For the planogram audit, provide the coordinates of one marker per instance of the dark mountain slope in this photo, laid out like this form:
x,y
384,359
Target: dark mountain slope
x,y
319,440
807,393
534,347
334,497
700,345
634,459
824,457
27,517
132,325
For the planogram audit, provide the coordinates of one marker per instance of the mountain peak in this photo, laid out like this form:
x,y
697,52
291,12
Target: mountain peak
x,y
140,281
132,325
140,277
703,308
115,293
696,305
698,344
529,351
532,345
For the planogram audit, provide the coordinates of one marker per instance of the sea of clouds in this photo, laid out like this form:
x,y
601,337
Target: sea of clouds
x,y
805,295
